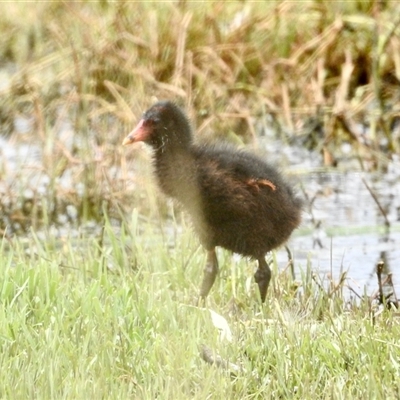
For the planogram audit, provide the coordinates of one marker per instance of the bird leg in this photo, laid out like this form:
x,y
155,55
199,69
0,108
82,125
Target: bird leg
x,y
210,273
262,277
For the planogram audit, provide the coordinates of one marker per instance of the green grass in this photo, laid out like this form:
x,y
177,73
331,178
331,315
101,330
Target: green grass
x,y
81,321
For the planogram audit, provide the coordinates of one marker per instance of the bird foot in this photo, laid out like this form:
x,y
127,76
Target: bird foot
x,y
263,277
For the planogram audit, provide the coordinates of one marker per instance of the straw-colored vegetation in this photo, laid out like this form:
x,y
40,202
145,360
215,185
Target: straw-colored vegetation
x,y
108,314
77,75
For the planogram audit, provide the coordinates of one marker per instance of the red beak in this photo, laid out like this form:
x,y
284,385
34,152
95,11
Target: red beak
x,y
139,134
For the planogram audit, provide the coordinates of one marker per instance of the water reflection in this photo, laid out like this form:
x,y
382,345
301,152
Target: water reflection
x,y
348,227
344,228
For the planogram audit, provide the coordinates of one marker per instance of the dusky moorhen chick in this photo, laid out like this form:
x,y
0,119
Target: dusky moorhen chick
x,y
235,199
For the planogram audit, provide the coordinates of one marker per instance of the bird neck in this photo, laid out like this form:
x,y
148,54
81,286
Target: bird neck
x,y
175,168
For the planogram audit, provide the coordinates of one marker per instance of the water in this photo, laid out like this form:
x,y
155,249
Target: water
x,y
345,228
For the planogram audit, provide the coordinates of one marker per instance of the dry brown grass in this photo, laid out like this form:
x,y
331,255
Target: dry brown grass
x,y
81,73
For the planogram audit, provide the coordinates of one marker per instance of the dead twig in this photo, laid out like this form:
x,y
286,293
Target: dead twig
x,y
375,197
379,269
210,357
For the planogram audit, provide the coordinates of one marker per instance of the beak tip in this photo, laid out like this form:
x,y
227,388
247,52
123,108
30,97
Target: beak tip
x,y
126,141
